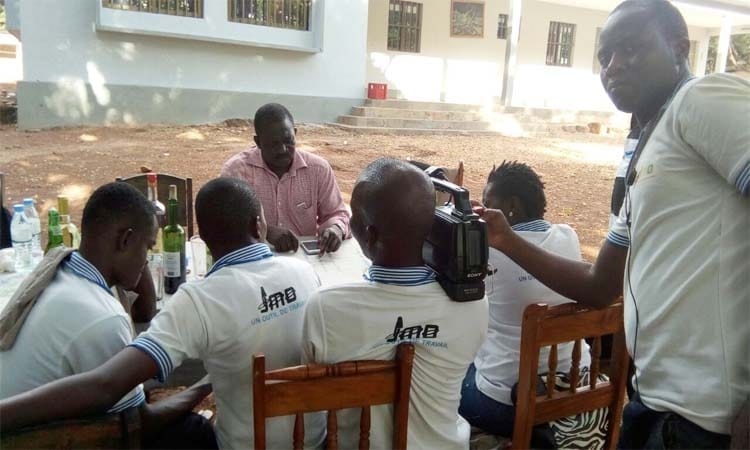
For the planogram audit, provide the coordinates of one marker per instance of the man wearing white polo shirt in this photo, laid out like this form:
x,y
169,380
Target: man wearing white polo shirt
x,y
76,324
393,206
250,301
684,229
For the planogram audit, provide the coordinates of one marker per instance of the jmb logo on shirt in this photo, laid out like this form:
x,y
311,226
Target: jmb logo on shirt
x,y
411,333
277,299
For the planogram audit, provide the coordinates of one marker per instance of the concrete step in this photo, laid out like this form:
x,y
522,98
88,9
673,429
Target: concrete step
x,y
368,111
513,129
413,131
386,122
422,106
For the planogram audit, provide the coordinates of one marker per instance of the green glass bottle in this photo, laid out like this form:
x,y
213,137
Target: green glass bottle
x,y
173,239
54,231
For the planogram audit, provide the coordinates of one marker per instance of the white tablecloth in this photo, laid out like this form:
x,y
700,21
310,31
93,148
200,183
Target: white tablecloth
x,y
347,264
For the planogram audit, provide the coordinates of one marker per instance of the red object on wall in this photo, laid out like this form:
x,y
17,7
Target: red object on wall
x,y
377,91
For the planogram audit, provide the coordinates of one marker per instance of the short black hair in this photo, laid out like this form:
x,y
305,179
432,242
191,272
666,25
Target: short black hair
x,y
116,203
671,23
268,113
511,179
226,208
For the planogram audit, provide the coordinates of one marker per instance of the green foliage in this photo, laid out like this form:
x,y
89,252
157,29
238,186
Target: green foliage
x,y
738,58
2,17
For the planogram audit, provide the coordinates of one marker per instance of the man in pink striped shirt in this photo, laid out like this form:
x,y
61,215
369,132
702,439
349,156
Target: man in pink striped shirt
x,y
297,189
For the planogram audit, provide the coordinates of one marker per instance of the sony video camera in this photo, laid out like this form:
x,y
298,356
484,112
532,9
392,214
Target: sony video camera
x,y
457,247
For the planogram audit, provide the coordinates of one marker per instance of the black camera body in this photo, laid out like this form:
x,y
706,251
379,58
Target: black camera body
x,y
457,247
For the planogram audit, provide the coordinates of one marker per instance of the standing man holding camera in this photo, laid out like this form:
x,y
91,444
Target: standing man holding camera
x,y
681,240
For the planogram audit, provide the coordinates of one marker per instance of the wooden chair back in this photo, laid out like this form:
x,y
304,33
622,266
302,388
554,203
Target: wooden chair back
x,y
184,195
122,431
544,326
320,387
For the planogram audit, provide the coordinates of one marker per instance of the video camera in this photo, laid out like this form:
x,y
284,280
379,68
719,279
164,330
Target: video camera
x,y
457,247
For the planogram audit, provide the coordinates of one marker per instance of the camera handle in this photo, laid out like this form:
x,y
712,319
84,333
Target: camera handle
x,y
461,203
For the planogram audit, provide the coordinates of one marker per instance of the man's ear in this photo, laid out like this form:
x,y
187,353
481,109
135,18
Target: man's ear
x,y
125,239
681,49
261,226
516,205
371,236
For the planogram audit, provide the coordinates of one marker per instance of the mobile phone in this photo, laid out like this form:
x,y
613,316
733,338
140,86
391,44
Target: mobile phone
x,y
310,247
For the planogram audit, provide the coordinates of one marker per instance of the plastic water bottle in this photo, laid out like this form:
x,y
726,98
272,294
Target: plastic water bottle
x,y
36,229
20,234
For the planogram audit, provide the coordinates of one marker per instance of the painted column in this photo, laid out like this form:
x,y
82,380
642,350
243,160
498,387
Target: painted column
x,y
511,51
723,49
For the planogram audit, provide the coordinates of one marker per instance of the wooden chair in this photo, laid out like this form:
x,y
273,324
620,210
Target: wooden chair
x,y
121,431
319,387
548,326
184,195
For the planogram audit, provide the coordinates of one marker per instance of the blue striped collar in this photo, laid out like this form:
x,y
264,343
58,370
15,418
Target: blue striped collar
x,y
84,269
400,276
534,225
253,252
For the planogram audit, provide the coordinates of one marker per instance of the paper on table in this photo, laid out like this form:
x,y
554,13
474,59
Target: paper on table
x,y
343,266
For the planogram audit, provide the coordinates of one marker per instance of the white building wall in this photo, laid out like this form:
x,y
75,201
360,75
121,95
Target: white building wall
x,y
470,70
90,70
454,69
10,68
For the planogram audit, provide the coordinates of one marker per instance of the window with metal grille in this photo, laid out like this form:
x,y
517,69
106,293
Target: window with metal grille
x,y
186,8
404,26
502,26
560,43
292,14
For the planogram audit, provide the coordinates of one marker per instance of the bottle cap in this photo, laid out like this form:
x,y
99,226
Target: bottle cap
x,y
172,192
28,202
18,207
151,178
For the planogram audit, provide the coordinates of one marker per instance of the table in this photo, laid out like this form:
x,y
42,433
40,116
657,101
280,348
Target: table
x,y
346,265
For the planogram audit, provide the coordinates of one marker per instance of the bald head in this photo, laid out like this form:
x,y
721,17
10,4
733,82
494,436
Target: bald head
x,y
395,201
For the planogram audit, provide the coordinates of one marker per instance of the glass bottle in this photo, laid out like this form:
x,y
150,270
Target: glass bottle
x,y
156,254
174,246
54,231
70,233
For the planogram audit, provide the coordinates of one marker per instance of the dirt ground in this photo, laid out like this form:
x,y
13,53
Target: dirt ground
x,y
577,168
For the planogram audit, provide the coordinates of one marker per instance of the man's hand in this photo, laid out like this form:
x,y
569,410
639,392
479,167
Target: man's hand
x,y
498,229
282,239
330,240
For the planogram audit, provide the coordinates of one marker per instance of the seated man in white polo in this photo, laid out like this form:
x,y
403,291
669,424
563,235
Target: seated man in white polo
x,y
393,207
250,301
64,319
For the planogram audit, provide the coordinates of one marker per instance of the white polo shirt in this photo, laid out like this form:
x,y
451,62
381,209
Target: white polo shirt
x,y
250,301
76,325
368,319
688,268
511,290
